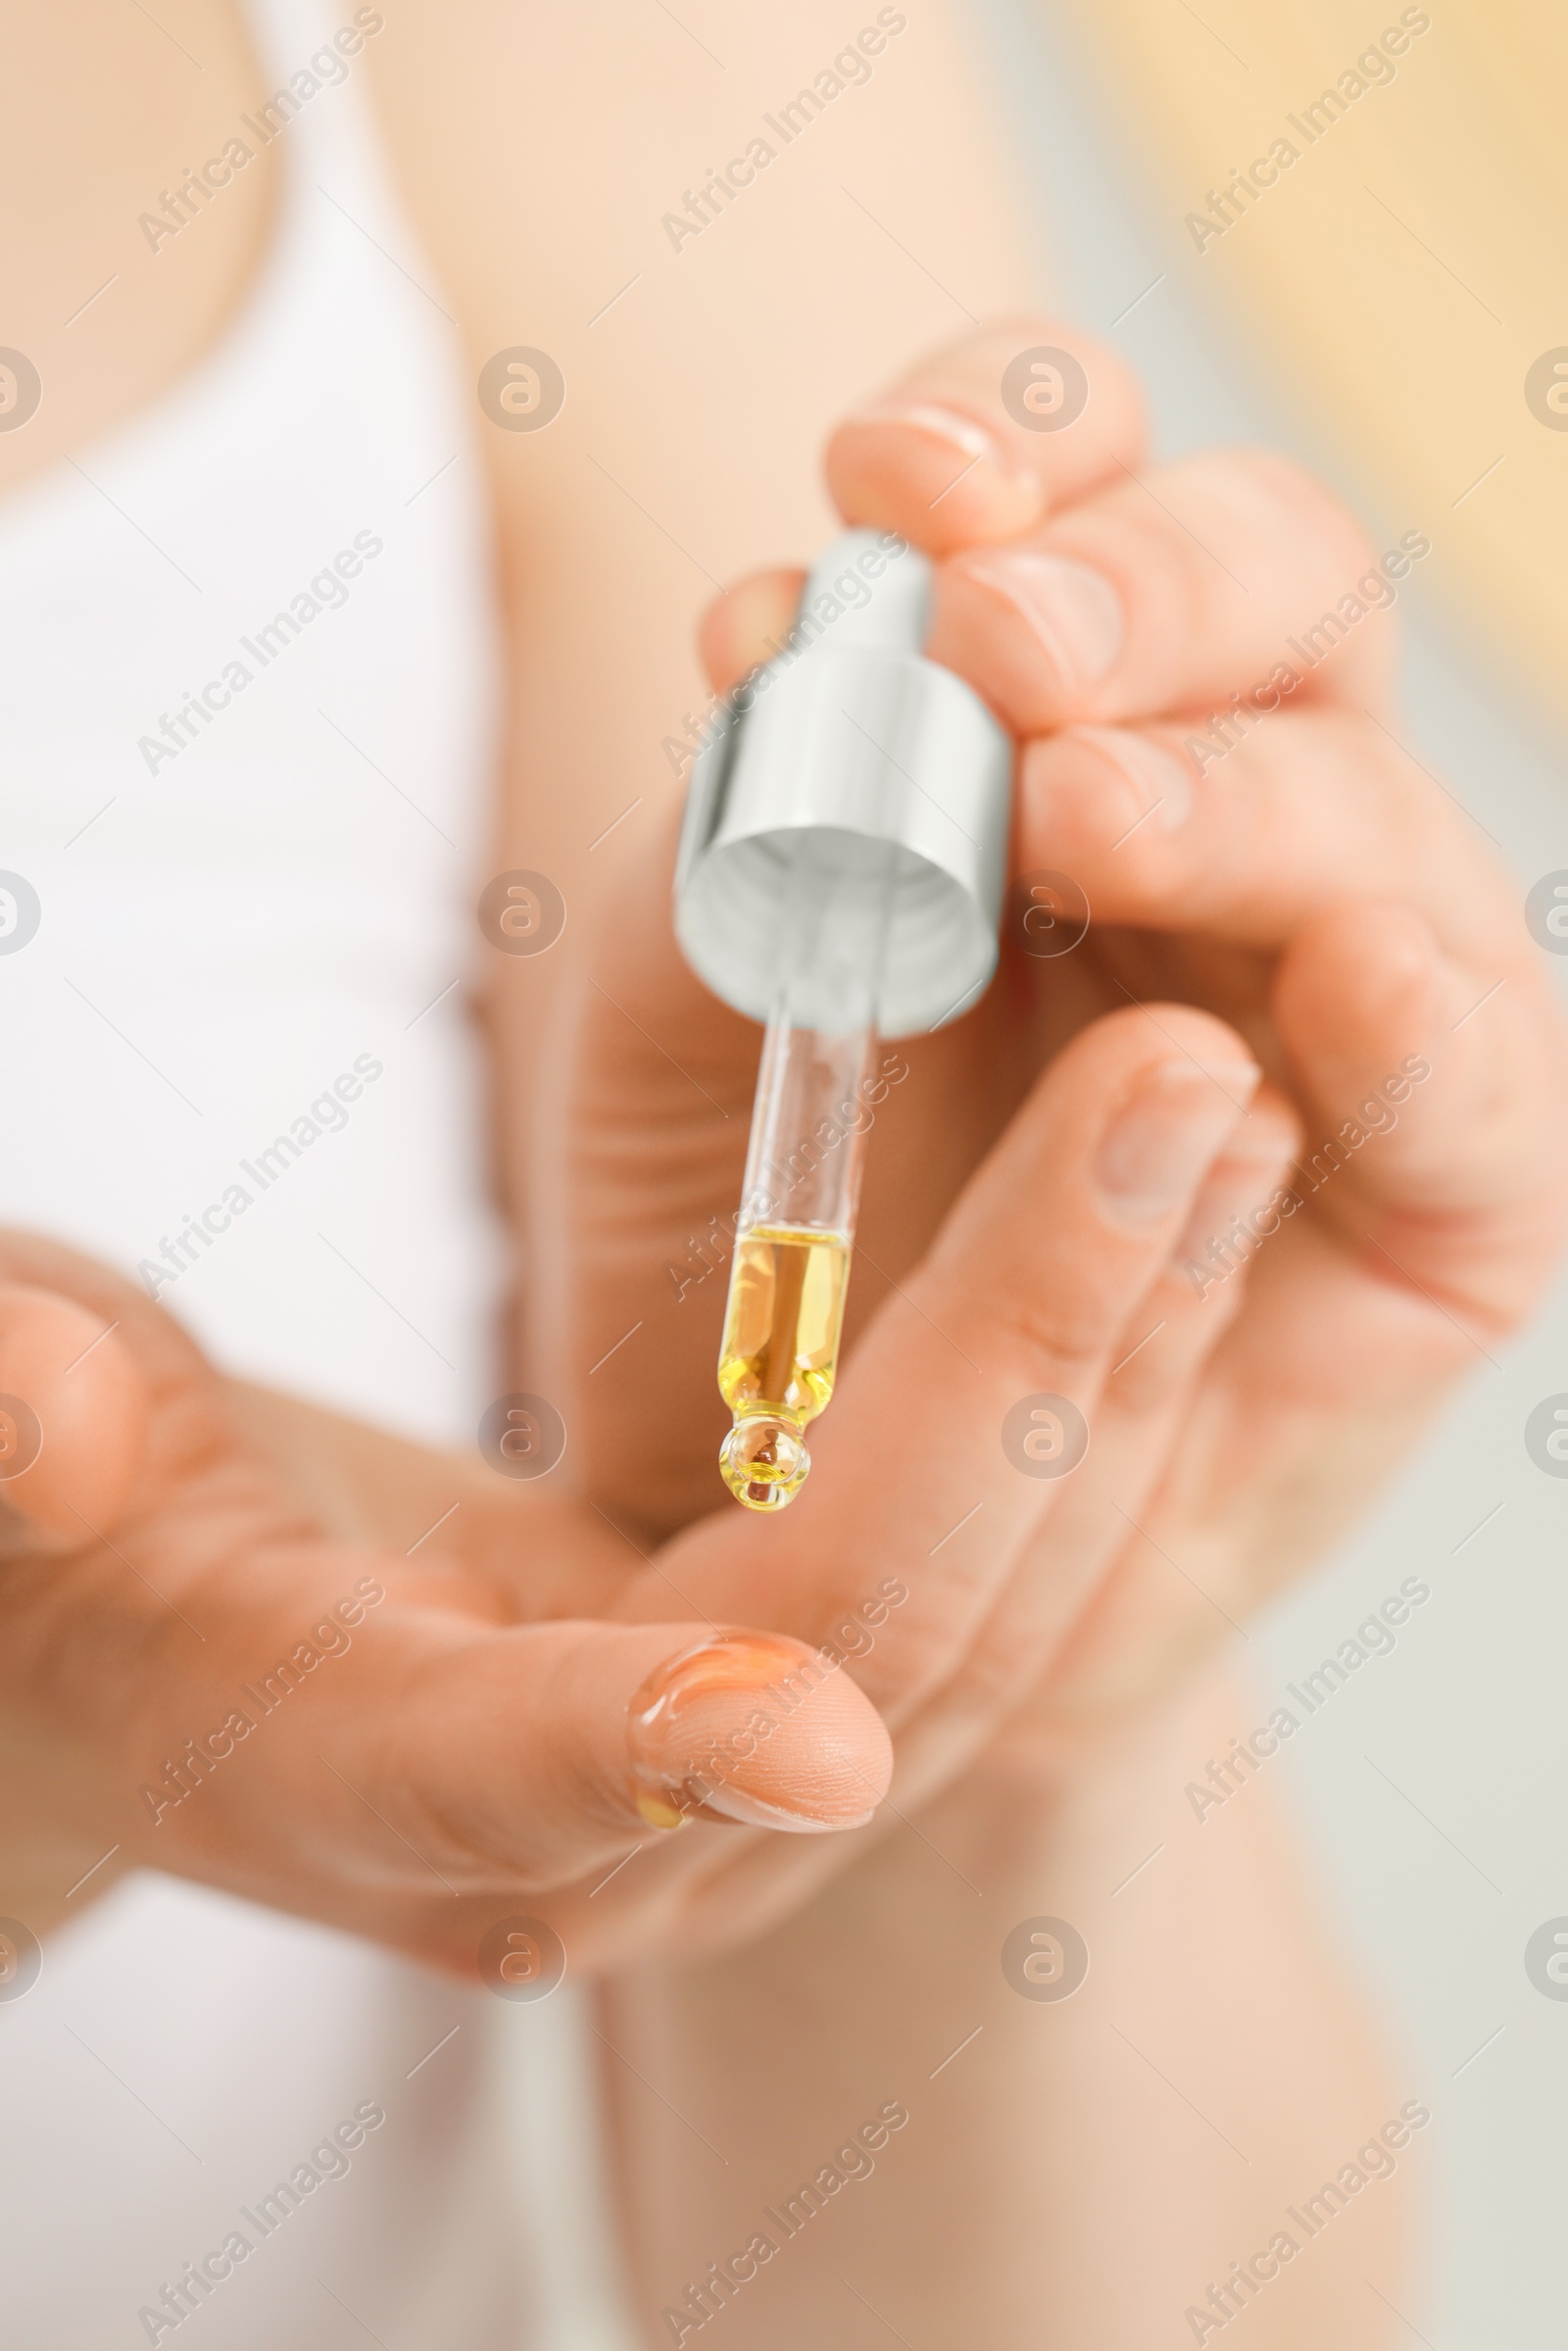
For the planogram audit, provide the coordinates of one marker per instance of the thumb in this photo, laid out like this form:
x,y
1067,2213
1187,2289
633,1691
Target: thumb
x,y
579,1736
434,1756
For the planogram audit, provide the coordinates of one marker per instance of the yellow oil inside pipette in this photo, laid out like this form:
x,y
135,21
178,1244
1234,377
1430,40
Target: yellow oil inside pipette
x,y
780,1353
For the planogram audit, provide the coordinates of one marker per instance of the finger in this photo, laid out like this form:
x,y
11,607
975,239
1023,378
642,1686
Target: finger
x,y
414,1749
1173,1329
1262,851
1421,1216
1163,826
1023,1297
1438,1094
949,457
1172,590
577,1737
1142,1401
746,625
294,1732
74,1413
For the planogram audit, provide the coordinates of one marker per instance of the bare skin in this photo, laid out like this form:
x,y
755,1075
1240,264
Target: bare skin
x,y
1036,1683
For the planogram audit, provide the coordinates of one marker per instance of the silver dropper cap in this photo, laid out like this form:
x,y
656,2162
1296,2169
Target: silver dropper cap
x,y
851,743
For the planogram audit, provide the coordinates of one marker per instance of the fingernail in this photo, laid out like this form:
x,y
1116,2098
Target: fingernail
x,y
970,443
1160,1141
1159,779
754,1728
1073,614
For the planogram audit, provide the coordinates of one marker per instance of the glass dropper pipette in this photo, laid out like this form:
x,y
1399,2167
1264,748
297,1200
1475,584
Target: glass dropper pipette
x,y
840,877
796,1229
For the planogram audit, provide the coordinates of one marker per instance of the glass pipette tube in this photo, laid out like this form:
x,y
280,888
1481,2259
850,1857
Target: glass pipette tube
x,y
796,1229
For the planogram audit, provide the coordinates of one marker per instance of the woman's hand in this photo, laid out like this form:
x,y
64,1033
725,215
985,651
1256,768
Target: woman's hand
x,y
1261,848
202,1672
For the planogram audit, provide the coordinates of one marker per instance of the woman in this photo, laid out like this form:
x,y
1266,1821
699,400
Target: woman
x,y
1027,1675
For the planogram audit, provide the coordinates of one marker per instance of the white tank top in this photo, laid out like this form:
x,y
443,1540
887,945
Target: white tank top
x,y
249,718
254,810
